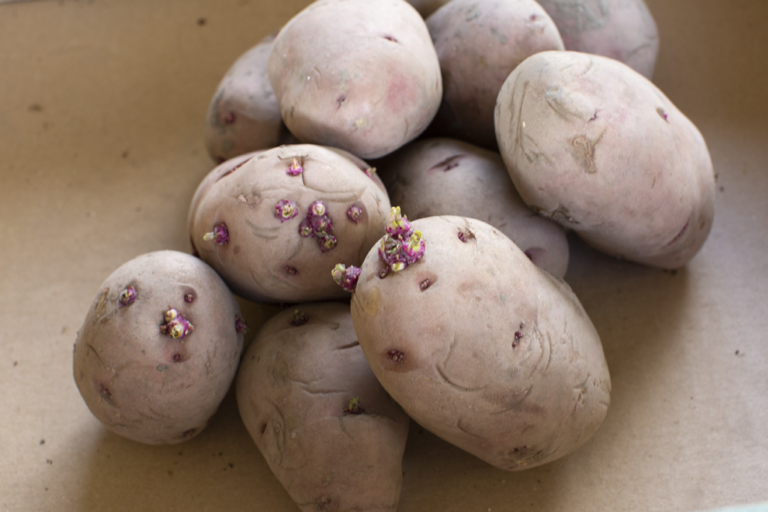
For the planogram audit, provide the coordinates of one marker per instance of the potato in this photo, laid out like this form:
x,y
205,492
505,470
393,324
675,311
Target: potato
x,y
433,177
597,147
361,75
244,115
159,348
328,430
478,345
478,44
620,29
274,226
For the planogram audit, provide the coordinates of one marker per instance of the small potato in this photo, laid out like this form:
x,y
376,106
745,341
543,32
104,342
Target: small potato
x,y
328,430
478,345
361,75
478,44
244,115
620,29
159,348
594,145
275,225
433,177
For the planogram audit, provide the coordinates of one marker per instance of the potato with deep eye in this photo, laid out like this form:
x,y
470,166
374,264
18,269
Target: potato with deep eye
x,y
328,430
477,344
595,146
159,348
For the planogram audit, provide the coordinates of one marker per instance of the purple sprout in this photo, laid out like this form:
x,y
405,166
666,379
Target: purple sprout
x,y
291,271
299,318
370,171
402,246
354,407
318,224
346,277
220,234
354,213
127,297
295,168
327,242
240,325
285,209
189,298
176,326
395,355
230,117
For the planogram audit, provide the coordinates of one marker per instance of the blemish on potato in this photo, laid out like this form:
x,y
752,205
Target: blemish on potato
x,y
663,114
584,151
371,301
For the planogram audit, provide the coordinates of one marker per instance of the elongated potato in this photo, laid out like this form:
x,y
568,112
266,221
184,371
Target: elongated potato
x,y
328,430
594,145
274,225
361,75
159,348
433,177
478,345
478,44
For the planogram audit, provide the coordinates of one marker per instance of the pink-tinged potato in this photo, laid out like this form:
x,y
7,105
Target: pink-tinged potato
x,y
594,145
478,44
328,430
244,115
275,225
434,177
620,29
159,348
361,75
481,347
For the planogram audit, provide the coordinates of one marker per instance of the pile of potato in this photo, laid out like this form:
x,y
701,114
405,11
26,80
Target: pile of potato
x,y
431,168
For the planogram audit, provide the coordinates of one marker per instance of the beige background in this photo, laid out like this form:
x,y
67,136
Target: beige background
x,y
101,111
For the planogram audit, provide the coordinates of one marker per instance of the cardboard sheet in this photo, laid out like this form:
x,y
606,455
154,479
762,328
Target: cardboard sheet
x,y
101,111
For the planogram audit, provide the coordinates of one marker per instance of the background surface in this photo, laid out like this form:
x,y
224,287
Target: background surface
x,y
101,111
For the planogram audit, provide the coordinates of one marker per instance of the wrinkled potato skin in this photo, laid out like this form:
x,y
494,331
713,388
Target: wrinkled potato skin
x,y
124,366
292,390
433,177
261,248
619,29
515,401
244,115
478,44
371,86
597,147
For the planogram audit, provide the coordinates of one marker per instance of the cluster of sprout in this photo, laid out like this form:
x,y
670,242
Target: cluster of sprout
x,y
402,246
220,234
176,326
317,224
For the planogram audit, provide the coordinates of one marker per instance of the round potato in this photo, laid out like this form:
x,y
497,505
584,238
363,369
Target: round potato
x,y
620,29
478,44
434,177
159,348
594,145
480,346
328,430
244,115
361,75
275,225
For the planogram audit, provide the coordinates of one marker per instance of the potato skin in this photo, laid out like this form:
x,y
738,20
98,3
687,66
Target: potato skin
x,y
597,147
243,115
361,75
142,384
293,387
482,348
266,259
478,44
431,177
619,29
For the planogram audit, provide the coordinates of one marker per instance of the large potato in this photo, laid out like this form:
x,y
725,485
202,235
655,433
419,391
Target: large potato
x,y
361,75
159,348
478,44
244,115
481,347
596,146
433,177
620,29
274,225
328,430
